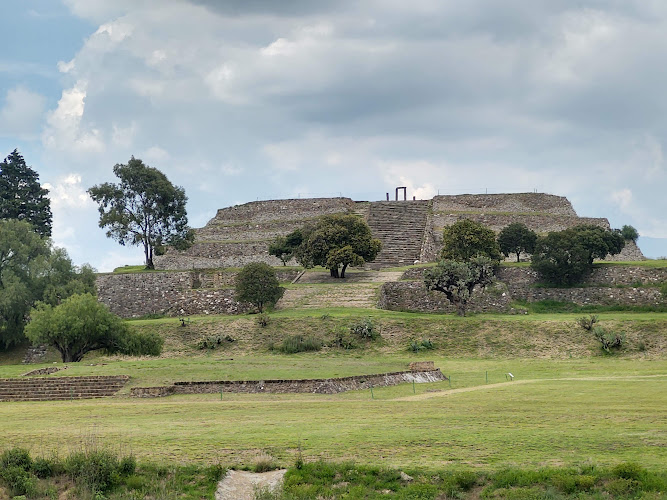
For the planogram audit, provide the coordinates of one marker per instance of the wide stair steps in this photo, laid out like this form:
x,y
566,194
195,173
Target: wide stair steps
x,y
400,226
60,388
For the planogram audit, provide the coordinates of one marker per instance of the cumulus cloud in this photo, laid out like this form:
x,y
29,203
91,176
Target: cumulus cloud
x,y
22,113
359,97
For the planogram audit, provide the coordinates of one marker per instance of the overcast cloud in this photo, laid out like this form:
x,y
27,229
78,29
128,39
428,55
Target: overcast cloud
x,y
244,100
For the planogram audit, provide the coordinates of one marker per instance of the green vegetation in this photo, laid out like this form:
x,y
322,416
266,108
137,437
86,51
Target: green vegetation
x,y
466,239
82,324
143,209
257,284
335,242
629,233
566,257
30,271
95,473
22,198
457,280
516,238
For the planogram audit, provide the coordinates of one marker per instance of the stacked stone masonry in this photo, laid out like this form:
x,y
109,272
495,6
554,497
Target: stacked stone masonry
x,y
174,293
607,285
409,230
60,388
313,386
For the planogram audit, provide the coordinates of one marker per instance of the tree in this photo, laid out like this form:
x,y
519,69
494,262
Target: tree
x,y
284,247
30,270
560,259
143,209
21,195
516,238
629,233
81,324
457,279
467,239
257,284
336,242
566,257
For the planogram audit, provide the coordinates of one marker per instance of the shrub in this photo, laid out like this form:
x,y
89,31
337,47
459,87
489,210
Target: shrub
x,y
19,480
587,323
628,470
365,329
142,344
343,340
97,470
42,468
257,284
16,457
214,341
262,320
127,465
608,340
299,343
423,345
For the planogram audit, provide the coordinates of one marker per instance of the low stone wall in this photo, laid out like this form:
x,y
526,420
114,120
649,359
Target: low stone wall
x,y
174,293
413,296
294,209
43,371
514,202
313,386
607,285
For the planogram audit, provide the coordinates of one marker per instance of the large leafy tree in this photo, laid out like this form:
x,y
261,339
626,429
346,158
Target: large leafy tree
x,y
566,257
458,279
144,208
81,324
335,242
30,270
466,239
258,285
516,238
21,195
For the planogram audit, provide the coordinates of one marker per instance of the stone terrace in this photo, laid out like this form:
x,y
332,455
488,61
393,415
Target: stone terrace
x,y
60,388
241,234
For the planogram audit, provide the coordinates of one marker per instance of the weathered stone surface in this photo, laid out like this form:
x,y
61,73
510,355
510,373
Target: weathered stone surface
x,y
607,285
315,386
174,293
513,202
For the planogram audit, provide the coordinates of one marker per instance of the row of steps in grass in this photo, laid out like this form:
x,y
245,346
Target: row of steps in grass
x,y
400,226
60,388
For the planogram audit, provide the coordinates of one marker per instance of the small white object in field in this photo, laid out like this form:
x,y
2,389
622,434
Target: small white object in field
x,y
510,376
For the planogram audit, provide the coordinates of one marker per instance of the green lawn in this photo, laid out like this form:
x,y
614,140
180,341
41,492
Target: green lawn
x,y
565,414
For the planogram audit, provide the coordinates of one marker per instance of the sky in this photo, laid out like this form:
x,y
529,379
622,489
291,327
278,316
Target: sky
x,y
244,100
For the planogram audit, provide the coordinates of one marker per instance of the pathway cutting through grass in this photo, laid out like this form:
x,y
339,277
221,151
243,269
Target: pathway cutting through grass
x,y
447,392
242,485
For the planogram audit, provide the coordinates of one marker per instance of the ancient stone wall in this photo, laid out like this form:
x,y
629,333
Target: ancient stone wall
x,y
512,203
174,293
313,386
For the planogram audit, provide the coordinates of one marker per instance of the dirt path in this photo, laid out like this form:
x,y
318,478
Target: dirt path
x,y
241,485
447,392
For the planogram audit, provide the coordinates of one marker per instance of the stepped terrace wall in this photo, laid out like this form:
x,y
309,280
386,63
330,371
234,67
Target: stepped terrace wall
x,y
174,293
312,386
607,285
513,203
241,234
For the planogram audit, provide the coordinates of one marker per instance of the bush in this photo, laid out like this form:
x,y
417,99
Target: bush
x,y
214,341
587,323
299,343
628,470
423,345
365,330
142,344
262,320
608,340
19,480
257,284
127,465
343,340
16,457
97,470
42,468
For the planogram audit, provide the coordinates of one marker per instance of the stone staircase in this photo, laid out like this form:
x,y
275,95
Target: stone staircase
x,y
400,226
60,388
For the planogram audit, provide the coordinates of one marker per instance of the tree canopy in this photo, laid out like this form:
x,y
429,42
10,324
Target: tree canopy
x,y
335,242
566,257
22,197
466,239
81,324
457,279
516,238
143,209
284,247
629,233
31,270
257,284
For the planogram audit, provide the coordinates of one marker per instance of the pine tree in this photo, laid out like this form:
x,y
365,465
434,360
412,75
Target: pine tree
x,y
21,195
